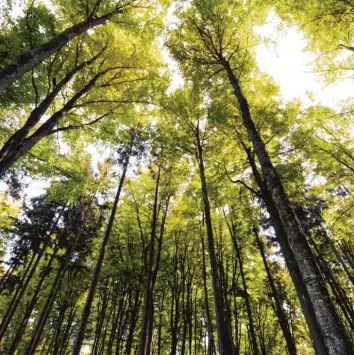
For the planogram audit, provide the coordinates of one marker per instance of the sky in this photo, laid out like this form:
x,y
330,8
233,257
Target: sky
x,y
293,68
285,58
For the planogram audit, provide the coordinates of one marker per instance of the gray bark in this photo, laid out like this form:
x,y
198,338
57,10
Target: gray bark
x,y
335,337
28,60
26,144
226,346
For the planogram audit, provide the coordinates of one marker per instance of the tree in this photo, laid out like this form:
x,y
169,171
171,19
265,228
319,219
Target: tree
x,y
26,61
145,214
211,46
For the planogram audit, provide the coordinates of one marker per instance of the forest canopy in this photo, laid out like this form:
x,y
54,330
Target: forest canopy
x,y
176,177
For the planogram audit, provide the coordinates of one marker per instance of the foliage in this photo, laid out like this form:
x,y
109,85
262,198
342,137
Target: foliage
x,y
190,150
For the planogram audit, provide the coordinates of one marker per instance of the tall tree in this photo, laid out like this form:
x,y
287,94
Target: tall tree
x,y
126,152
26,61
212,43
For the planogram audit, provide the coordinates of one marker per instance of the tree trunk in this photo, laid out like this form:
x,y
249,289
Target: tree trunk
x,y
211,343
132,324
289,258
9,272
16,140
159,337
255,349
26,144
28,60
89,300
175,297
30,306
283,322
58,329
334,334
223,326
18,296
148,301
37,333
339,257
339,294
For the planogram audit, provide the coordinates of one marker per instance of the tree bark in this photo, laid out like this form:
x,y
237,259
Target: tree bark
x,y
28,60
37,333
283,322
89,300
132,324
334,334
223,326
255,349
148,301
26,144
288,254
18,296
15,141
339,257
30,306
211,343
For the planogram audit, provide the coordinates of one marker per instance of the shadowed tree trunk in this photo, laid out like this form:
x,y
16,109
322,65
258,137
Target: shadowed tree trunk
x,y
232,230
279,309
37,333
335,337
152,270
16,140
89,300
22,145
226,346
211,343
28,60
288,256
30,306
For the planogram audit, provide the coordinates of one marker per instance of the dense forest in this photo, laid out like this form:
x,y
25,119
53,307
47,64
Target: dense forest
x,y
159,194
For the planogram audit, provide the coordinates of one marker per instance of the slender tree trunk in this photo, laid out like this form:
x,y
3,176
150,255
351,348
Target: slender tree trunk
x,y
184,321
159,337
63,345
339,294
122,319
236,311
148,301
279,309
18,296
115,318
30,306
211,343
154,275
89,300
223,327
21,282
175,297
100,323
334,334
348,252
28,60
37,333
339,257
255,349
9,272
58,332
133,321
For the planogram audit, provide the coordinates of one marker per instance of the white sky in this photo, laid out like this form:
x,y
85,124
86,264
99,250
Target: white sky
x,y
292,67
